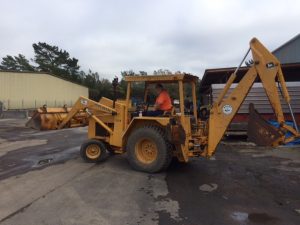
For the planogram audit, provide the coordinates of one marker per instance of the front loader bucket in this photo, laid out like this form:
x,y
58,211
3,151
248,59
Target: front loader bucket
x,y
261,132
49,118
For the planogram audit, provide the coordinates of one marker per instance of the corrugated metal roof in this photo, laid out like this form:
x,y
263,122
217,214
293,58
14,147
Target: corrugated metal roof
x,y
290,71
285,53
287,43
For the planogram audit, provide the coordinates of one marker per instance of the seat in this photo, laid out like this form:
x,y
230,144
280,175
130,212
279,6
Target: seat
x,y
170,112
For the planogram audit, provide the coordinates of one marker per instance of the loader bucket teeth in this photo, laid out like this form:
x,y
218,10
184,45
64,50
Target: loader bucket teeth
x,y
260,131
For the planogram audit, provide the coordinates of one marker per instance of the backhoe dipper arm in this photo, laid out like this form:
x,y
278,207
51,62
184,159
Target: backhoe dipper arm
x,y
267,67
88,105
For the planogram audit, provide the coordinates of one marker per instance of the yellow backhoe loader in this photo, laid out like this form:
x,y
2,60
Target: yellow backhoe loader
x,y
152,142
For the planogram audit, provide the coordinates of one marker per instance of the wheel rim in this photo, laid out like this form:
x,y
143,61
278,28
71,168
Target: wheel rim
x,y
93,151
146,151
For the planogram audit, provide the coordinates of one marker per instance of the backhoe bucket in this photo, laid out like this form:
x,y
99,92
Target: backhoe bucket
x,y
49,118
261,132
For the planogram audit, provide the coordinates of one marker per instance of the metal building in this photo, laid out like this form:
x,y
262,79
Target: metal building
x,y
28,90
289,52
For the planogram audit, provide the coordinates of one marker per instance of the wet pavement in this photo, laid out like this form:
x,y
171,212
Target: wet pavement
x,y
44,181
23,149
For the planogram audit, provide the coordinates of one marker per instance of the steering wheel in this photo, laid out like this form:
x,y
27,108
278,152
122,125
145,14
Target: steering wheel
x,y
142,106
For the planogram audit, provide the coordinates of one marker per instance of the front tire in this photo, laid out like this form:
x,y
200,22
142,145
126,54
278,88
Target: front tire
x,y
93,151
148,150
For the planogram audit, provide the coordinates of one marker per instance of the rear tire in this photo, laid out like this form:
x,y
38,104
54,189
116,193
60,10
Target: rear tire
x,y
148,149
93,151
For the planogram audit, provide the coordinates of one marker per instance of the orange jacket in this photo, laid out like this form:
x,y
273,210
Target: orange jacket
x,y
164,101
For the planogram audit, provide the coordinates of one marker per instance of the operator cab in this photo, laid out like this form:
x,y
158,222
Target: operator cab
x,y
180,87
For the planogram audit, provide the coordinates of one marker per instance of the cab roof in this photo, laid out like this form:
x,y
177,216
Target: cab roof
x,y
173,78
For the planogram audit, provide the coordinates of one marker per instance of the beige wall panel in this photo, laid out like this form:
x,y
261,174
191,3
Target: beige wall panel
x,y
31,90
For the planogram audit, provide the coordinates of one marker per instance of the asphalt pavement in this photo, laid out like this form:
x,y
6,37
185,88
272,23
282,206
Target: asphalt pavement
x,y
43,181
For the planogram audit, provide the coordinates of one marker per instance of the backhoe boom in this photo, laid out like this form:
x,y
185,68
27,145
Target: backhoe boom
x,y
265,66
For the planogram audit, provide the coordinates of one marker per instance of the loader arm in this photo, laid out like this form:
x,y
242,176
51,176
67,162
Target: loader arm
x,y
88,105
267,67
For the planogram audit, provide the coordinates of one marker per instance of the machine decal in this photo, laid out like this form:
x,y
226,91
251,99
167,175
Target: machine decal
x,y
83,102
227,109
270,65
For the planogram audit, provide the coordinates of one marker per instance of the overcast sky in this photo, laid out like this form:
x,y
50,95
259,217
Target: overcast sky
x,y
109,36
